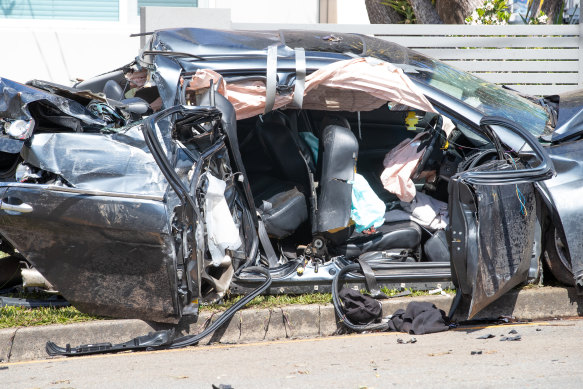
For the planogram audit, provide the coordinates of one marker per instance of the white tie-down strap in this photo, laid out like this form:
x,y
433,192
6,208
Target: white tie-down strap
x,y
300,77
271,82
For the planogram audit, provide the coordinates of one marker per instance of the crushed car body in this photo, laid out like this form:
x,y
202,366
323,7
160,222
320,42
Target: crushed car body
x,y
144,191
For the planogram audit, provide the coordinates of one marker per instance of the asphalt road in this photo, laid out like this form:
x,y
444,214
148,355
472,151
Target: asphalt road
x,y
548,354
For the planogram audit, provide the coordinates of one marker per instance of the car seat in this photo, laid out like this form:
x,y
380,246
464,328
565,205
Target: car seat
x,y
277,197
281,198
336,167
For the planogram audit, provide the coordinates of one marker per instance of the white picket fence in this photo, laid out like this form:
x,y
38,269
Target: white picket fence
x,y
537,60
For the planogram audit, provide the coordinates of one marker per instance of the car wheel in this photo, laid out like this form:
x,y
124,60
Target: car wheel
x,y
557,257
8,165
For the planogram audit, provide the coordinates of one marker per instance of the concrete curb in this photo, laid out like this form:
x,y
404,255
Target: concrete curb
x,y
294,321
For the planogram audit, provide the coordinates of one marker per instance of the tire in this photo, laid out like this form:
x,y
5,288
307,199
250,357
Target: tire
x,y
557,257
8,165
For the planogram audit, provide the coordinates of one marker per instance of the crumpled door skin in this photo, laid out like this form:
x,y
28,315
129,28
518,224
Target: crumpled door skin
x,y
119,163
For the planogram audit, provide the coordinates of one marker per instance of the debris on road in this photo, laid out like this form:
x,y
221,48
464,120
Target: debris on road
x,y
510,338
487,336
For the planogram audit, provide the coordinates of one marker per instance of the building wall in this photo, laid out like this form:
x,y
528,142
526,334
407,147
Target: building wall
x,y
277,11
352,12
62,50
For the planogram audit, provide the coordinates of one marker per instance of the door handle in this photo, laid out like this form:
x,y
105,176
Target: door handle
x,y
21,208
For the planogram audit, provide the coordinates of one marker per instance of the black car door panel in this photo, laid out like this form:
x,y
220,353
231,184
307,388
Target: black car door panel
x,y
108,254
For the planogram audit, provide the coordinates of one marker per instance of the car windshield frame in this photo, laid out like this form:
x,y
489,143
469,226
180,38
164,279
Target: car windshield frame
x,y
485,97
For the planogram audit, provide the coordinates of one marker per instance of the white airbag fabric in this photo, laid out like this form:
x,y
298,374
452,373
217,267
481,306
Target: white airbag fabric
x,y
222,232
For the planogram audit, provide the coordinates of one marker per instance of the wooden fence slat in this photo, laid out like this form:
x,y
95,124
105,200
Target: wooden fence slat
x,y
516,66
529,78
455,42
494,54
542,90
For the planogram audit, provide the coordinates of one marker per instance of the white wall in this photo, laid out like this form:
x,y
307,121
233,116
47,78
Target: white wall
x,y
288,11
62,50
63,53
269,11
352,12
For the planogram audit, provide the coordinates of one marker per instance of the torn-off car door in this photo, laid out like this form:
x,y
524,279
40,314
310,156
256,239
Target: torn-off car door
x,y
492,218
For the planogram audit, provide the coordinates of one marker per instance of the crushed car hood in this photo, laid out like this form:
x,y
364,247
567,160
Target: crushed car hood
x,y
17,100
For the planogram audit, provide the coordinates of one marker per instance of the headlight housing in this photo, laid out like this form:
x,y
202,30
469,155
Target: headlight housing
x,y
19,129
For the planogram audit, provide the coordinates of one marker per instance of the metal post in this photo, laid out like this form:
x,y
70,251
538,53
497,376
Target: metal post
x,y
328,11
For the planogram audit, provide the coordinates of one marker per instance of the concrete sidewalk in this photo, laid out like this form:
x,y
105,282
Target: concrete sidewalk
x,y
294,321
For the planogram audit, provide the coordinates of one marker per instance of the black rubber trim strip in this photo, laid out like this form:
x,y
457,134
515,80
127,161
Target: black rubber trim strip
x,y
162,339
543,171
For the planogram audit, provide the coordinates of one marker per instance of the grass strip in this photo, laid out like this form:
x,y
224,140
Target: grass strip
x,y
304,299
24,317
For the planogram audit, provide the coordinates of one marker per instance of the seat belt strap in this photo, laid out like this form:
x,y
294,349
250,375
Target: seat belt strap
x,y
300,77
370,279
271,82
266,243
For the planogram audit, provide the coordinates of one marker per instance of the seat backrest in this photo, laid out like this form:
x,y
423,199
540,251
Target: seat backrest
x,y
281,146
336,167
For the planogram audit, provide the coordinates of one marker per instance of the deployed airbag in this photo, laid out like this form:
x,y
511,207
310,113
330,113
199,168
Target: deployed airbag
x,y
360,84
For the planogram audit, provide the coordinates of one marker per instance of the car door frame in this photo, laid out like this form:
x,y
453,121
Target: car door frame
x,y
499,130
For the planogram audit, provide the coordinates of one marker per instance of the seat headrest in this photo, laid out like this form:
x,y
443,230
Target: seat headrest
x,y
336,120
275,117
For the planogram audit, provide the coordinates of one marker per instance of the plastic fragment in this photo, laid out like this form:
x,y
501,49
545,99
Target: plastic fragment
x,y
401,341
510,338
479,352
487,336
438,290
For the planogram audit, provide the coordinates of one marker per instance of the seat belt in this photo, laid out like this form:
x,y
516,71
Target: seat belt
x,y
271,82
266,243
370,279
300,77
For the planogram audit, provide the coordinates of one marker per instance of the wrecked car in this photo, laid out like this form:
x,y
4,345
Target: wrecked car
x,y
145,191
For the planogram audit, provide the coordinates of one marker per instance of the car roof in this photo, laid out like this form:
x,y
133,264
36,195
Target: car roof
x,y
237,50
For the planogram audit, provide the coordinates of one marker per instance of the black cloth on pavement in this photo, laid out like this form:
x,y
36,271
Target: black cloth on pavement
x,y
360,308
419,318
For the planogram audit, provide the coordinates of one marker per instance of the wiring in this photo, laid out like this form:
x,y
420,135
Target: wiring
x,y
519,194
450,142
